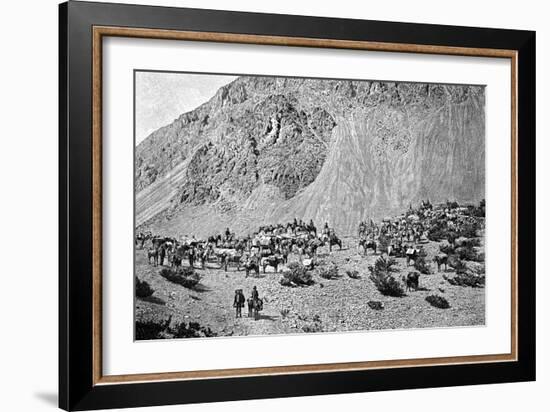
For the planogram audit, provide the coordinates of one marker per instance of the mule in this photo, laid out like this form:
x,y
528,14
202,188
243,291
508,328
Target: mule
x,y
368,244
252,267
334,240
254,307
273,261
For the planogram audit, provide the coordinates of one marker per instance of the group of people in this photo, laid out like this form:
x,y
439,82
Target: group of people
x,y
255,304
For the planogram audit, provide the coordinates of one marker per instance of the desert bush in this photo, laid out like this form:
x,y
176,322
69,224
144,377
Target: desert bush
x,y
446,248
468,253
420,263
184,276
376,305
468,230
381,276
315,326
191,330
353,274
297,275
330,272
143,289
458,265
467,279
438,301
150,329
284,312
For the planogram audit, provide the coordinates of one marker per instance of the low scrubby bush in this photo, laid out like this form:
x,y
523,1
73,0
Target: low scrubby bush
x,y
151,330
143,289
184,276
467,279
420,263
353,274
330,272
297,275
438,301
315,326
376,305
191,330
162,330
381,276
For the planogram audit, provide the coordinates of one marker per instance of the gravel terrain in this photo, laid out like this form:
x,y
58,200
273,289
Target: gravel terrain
x,y
335,305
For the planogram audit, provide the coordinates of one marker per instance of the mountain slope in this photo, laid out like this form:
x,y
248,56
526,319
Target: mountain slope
x,y
271,149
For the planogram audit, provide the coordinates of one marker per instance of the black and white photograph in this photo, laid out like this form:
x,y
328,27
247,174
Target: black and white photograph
x,y
269,205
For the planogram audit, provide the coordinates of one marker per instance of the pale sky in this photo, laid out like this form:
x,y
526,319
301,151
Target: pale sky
x,y
162,97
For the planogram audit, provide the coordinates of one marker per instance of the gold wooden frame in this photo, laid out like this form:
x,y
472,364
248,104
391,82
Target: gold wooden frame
x,y
101,31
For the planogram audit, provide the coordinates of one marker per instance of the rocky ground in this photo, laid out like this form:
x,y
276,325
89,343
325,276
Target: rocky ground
x,y
335,305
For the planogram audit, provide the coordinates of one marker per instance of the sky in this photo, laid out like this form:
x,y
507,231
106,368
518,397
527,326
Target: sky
x,y
162,97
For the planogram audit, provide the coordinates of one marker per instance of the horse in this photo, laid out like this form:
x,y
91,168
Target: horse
x,y
254,307
441,259
153,253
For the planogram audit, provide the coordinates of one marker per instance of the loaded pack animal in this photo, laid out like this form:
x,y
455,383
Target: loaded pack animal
x,y
411,254
367,244
273,261
255,305
251,265
227,259
140,240
411,281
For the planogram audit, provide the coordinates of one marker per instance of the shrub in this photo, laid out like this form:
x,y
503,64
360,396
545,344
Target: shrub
x,y
381,276
438,301
468,230
314,326
467,253
467,280
151,330
458,265
185,276
297,275
330,272
285,312
420,263
191,330
376,305
143,289
353,274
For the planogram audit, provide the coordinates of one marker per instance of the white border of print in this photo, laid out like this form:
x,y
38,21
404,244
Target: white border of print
x,y
121,355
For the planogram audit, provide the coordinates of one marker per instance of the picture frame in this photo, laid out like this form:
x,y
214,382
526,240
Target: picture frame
x,y
82,28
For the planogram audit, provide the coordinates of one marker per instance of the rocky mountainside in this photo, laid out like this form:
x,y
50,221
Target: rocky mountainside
x,y
267,149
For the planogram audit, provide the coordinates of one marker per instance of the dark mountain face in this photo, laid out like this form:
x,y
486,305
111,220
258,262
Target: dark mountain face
x,y
269,149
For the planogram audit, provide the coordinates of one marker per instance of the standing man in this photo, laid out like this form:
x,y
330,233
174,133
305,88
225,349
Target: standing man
x,y
162,254
238,302
191,256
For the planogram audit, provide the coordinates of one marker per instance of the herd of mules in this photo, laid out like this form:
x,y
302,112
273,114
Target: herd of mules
x,y
271,245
